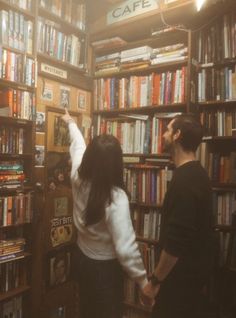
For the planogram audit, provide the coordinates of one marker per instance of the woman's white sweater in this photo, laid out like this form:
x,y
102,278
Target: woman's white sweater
x,y
113,237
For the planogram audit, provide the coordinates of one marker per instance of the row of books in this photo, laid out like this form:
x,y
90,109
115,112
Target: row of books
x,y
217,42
17,103
140,91
12,140
134,136
11,246
139,57
12,308
16,67
146,222
147,186
16,31
16,209
224,207
217,84
218,123
12,276
71,11
221,168
148,253
23,4
61,46
140,136
12,174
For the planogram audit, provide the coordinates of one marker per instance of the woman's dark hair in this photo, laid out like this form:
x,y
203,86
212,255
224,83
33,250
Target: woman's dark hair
x,y
191,131
102,166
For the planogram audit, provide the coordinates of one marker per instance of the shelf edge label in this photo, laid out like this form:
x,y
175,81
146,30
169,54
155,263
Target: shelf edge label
x,y
52,70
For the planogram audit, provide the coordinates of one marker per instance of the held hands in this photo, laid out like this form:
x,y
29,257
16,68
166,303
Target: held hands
x,y
148,293
67,118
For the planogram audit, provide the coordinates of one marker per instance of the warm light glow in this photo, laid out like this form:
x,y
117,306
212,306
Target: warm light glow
x,y
199,4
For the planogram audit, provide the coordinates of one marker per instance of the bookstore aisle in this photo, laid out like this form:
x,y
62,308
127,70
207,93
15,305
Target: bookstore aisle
x,y
123,68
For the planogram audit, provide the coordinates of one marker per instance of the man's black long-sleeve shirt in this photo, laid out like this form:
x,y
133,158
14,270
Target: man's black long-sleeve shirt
x,y
186,227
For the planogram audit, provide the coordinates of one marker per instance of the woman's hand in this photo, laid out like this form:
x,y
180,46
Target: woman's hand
x,y
67,118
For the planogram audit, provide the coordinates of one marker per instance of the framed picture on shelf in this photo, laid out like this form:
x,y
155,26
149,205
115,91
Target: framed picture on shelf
x,y
59,264
57,132
65,97
81,100
40,122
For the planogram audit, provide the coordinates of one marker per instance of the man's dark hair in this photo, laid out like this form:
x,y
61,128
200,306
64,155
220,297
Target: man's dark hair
x,y
102,166
191,131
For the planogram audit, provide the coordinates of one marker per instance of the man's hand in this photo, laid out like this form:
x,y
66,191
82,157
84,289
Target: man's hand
x,y
67,118
148,294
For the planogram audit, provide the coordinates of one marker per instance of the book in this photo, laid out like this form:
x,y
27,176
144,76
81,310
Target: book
x,y
113,42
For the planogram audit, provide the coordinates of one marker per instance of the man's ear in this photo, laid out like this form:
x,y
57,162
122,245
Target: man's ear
x,y
177,134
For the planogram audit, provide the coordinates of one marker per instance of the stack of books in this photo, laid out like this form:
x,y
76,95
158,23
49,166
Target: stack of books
x,y
170,53
138,57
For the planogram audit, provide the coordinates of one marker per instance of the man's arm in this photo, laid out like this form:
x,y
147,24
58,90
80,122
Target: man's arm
x,y
162,270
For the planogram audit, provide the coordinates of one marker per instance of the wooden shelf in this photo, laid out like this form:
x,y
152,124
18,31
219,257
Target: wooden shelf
x,y
224,186
19,189
17,51
4,156
16,121
225,228
153,41
224,62
14,292
48,58
15,225
14,7
144,70
138,307
69,27
144,109
16,85
217,103
140,166
219,138
21,255
146,205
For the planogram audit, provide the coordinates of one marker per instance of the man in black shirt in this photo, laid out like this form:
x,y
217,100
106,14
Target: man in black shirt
x,y
186,237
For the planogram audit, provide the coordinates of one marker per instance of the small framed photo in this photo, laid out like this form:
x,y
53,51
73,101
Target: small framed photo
x,y
39,156
59,268
65,97
81,100
40,122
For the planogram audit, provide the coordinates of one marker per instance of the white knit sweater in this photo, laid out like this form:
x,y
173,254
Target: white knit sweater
x,y
113,237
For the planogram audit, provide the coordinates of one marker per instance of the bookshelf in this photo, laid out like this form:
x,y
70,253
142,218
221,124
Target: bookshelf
x,y
209,90
63,82
215,65
17,115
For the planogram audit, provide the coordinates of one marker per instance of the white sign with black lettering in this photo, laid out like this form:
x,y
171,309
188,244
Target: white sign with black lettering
x,y
52,70
131,8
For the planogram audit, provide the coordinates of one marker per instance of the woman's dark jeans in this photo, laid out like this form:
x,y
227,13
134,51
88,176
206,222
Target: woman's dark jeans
x,y
100,286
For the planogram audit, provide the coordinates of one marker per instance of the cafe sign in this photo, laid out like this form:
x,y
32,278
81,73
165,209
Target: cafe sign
x,y
130,8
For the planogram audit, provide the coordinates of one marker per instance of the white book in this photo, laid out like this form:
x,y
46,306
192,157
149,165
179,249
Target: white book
x,y
4,27
136,51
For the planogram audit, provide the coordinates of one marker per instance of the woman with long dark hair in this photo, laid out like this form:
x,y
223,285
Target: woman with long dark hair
x,y
106,240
